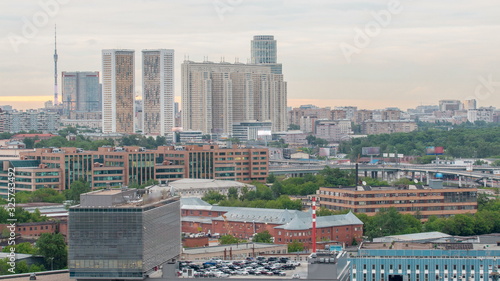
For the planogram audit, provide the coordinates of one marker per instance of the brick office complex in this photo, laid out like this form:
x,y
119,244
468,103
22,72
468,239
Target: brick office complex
x,y
285,226
120,166
439,201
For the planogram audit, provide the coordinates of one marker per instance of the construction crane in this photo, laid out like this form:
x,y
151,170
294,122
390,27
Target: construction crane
x,y
226,225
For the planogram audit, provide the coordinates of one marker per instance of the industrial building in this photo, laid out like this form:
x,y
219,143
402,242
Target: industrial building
x,y
426,259
284,225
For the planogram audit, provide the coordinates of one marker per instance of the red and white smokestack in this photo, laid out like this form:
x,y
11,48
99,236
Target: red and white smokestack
x,y
314,224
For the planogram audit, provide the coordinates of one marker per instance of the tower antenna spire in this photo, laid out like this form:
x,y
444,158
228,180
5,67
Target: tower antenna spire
x,y
56,98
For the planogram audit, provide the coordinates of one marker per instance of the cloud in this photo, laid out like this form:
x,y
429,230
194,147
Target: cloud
x,y
438,47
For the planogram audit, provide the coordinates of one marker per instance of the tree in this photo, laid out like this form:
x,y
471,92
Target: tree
x,y
232,193
213,197
277,189
293,127
22,248
53,248
263,237
228,239
76,189
29,142
295,246
271,178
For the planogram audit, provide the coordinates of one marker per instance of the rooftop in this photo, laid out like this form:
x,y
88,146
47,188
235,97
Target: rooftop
x,y
413,237
205,183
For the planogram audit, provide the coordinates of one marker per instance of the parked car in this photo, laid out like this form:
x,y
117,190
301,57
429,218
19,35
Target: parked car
x,y
295,276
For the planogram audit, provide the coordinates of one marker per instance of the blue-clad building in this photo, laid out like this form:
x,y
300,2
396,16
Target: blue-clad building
x,y
428,261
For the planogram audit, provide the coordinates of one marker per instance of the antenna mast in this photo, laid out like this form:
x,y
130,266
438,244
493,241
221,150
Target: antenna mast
x,y
56,98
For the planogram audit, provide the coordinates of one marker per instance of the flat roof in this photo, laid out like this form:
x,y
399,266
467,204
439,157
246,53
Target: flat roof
x,y
106,192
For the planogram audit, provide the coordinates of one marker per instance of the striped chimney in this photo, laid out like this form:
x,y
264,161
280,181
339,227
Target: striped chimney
x,y
314,224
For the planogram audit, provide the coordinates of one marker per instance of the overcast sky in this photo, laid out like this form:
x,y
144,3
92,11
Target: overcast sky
x,y
334,53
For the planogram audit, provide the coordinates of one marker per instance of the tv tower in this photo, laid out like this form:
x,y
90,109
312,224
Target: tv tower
x,y
56,98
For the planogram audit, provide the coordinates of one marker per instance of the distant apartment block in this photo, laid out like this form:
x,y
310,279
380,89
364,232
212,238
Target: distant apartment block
x,y
158,92
216,95
252,130
363,115
127,234
33,120
296,115
485,114
118,92
470,104
349,110
438,201
391,114
57,168
333,131
388,127
450,105
294,138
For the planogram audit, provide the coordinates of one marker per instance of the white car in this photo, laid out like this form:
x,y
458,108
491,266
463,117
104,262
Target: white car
x,y
295,276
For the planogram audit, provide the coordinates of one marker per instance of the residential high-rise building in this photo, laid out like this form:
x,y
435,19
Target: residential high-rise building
x,y
81,92
158,92
264,51
216,95
118,92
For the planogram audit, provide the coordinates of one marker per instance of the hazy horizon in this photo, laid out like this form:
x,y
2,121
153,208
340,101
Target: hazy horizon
x,y
372,55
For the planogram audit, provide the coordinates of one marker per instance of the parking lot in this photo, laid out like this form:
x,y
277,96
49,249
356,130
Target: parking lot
x,y
271,267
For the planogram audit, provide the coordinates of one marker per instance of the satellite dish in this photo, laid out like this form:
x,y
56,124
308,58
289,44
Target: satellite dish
x,y
415,181
364,182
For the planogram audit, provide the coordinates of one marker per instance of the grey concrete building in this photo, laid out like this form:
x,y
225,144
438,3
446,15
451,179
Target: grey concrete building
x,y
81,92
123,234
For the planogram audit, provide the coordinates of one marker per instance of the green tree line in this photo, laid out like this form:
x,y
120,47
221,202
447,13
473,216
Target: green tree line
x,y
461,141
51,246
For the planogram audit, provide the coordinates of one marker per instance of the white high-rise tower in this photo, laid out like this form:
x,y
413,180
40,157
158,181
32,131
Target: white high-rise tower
x,y
118,94
158,92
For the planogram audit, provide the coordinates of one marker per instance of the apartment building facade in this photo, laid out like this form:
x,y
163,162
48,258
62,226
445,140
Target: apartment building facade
x,y
118,91
372,127
158,92
216,95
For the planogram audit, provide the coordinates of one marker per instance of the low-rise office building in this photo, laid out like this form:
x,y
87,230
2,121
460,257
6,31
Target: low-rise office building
x,y
110,166
427,201
123,234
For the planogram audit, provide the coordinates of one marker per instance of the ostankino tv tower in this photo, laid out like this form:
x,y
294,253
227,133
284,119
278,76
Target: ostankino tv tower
x,y
56,98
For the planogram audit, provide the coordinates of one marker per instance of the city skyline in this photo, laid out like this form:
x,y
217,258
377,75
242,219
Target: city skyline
x,y
415,53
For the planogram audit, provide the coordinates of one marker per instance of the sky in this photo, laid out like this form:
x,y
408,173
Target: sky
x,y
371,54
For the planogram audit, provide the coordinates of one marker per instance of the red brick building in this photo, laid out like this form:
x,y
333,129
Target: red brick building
x,y
35,229
109,166
285,226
